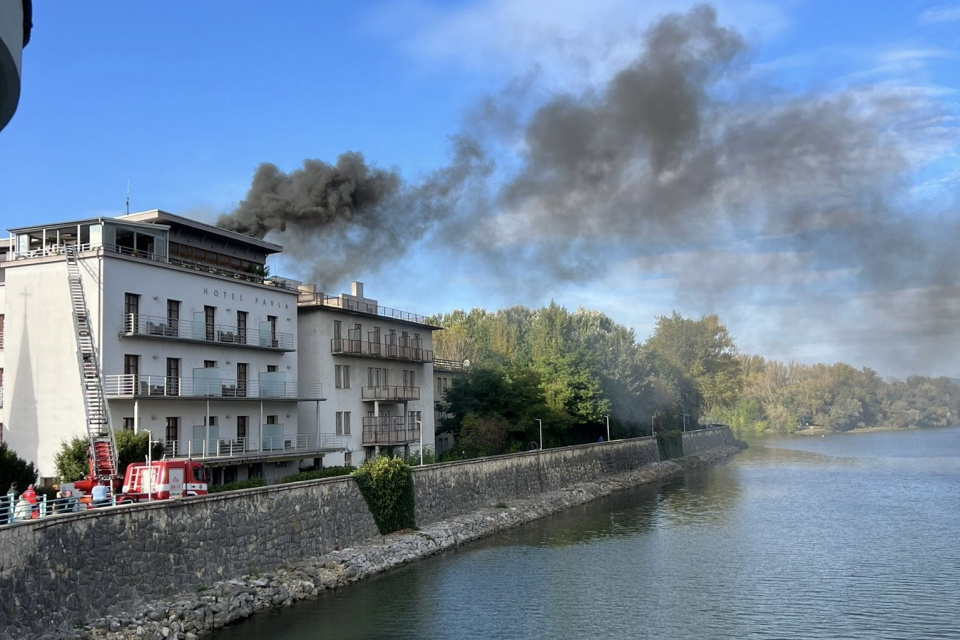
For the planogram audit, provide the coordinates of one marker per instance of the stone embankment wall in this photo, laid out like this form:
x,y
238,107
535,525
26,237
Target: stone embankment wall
x,y
59,573
695,442
447,490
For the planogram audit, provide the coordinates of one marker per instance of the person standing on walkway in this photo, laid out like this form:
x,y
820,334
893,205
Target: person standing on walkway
x,y
100,495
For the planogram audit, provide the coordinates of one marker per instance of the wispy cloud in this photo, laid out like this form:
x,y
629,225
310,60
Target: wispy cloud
x,y
943,13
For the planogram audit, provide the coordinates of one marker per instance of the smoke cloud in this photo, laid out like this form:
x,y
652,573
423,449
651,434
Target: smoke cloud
x,y
685,151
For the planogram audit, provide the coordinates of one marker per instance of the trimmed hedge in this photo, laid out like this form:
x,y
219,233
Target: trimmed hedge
x,y
387,487
239,484
670,444
328,472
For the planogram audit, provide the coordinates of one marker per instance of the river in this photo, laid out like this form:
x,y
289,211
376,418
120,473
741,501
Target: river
x,y
844,536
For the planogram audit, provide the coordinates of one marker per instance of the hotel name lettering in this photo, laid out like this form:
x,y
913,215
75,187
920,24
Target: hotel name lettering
x,y
233,295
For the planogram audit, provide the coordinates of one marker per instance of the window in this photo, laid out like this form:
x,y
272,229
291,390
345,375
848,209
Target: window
x,y
414,419
342,376
409,378
211,421
173,376
273,330
271,368
209,320
376,377
128,423
173,317
241,426
131,365
272,419
348,458
242,327
173,430
242,368
337,329
1,330
131,310
209,364
343,423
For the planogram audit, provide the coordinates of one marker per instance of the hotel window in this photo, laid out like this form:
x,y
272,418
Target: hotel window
x,y
242,327
342,376
173,317
173,430
348,458
241,426
273,330
409,378
376,377
210,319
128,423
173,376
131,310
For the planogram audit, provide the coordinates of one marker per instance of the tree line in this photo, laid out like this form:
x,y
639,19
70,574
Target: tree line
x,y
567,373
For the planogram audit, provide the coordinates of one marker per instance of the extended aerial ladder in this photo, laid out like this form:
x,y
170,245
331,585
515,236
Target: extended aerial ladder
x,y
103,448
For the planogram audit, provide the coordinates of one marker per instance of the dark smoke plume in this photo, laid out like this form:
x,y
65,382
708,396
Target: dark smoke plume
x,y
350,218
684,165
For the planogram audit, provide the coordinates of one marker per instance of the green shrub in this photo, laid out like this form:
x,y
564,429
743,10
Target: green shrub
x,y
239,484
13,468
328,472
387,486
670,444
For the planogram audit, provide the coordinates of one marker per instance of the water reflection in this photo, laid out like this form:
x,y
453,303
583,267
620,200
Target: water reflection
x,y
791,540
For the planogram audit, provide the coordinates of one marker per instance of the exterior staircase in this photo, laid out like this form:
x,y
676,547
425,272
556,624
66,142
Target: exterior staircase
x,y
103,449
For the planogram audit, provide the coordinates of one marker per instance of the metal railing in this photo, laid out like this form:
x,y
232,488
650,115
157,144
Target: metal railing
x,y
21,511
137,385
390,392
138,324
346,346
244,447
61,249
309,298
449,365
376,434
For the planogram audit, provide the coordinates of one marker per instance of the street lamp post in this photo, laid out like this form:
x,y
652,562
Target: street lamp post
x,y
608,428
540,422
420,424
149,464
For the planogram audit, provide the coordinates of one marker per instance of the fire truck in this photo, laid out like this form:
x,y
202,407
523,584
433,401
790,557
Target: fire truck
x,y
159,480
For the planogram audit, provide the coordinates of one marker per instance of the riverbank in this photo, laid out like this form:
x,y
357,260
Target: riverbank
x,y
229,601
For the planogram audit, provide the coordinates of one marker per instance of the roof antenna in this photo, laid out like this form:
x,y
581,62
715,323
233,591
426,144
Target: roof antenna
x,y
128,196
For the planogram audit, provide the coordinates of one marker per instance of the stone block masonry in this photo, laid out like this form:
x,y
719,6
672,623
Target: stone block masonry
x,y
176,569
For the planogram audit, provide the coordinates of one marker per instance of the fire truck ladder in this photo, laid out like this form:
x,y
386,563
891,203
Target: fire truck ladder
x,y
99,431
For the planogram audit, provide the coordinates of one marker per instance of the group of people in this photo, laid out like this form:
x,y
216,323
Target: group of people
x,y
25,506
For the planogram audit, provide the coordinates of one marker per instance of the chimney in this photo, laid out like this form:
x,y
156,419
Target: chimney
x,y
356,289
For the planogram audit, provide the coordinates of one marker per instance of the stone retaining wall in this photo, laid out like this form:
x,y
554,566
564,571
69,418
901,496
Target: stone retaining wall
x,y
695,442
58,573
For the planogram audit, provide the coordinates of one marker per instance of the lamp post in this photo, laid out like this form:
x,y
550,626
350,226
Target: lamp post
x,y
540,422
149,464
419,424
608,428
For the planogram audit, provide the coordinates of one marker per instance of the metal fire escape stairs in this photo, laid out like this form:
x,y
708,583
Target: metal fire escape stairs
x,y
103,448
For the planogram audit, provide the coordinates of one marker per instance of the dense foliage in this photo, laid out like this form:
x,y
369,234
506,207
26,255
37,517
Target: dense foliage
x,y
72,461
13,468
387,488
326,472
572,370
252,483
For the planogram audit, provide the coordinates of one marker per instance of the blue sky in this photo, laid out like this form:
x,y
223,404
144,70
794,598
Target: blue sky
x,y
813,206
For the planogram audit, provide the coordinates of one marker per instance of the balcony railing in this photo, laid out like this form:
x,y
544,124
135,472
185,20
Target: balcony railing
x,y
346,346
390,392
388,430
245,447
138,324
136,385
60,249
309,298
450,365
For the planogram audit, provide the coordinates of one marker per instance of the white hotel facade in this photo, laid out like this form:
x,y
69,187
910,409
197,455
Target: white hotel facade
x,y
172,324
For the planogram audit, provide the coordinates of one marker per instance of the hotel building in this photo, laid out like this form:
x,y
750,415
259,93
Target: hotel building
x,y
154,322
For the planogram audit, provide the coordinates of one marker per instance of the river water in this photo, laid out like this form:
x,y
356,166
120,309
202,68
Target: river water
x,y
846,536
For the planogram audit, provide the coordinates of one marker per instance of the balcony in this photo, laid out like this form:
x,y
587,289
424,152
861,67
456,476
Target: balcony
x,y
394,393
388,430
409,353
348,303
244,448
263,337
141,386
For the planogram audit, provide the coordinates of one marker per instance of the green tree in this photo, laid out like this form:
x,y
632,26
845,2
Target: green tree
x,y
13,468
71,461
